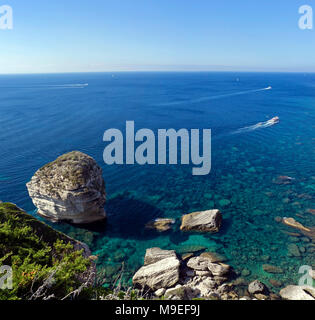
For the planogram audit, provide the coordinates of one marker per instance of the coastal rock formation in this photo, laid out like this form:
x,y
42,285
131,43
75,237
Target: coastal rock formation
x,y
219,269
198,263
202,221
163,273
203,265
298,293
71,188
176,279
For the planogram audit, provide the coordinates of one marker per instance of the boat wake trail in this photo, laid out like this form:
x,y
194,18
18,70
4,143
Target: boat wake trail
x,y
66,86
51,86
174,103
257,126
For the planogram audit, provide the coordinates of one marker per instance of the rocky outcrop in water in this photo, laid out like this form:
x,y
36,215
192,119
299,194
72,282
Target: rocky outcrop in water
x,y
202,221
175,279
161,270
71,188
298,293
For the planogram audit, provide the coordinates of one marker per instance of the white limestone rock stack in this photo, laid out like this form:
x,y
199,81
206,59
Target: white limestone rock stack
x,y
71,188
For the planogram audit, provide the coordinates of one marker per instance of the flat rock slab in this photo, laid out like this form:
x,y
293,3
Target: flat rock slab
x,y
153,255
161,274
202,221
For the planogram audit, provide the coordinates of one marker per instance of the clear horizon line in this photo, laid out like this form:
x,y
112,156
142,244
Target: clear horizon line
x,y
159,71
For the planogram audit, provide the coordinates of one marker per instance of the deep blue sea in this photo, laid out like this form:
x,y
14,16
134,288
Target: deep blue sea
x,y
44,116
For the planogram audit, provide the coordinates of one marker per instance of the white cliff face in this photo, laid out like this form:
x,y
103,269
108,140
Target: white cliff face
x,y
71,188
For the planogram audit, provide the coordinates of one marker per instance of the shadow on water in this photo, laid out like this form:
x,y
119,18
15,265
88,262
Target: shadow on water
x,y
225,227
127,218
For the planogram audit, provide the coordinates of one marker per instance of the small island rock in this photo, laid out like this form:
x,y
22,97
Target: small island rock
x,y
202,221
71,188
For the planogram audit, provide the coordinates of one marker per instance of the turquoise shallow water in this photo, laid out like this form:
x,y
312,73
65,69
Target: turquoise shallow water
x,y
41,119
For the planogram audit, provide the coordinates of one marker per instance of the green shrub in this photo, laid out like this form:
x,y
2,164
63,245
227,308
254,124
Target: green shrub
x,y
35,252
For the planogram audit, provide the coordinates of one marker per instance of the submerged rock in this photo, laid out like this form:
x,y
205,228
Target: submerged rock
x,y
71,188
293,249
275,283
202,221
245,273
272,269
190,249
213,256
224,202
160,224
283,180
294,224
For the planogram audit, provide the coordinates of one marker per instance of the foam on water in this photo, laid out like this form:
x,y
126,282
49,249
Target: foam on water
x,y
221,96
260,125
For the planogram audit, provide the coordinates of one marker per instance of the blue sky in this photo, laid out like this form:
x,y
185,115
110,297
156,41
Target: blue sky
x,y
110,35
